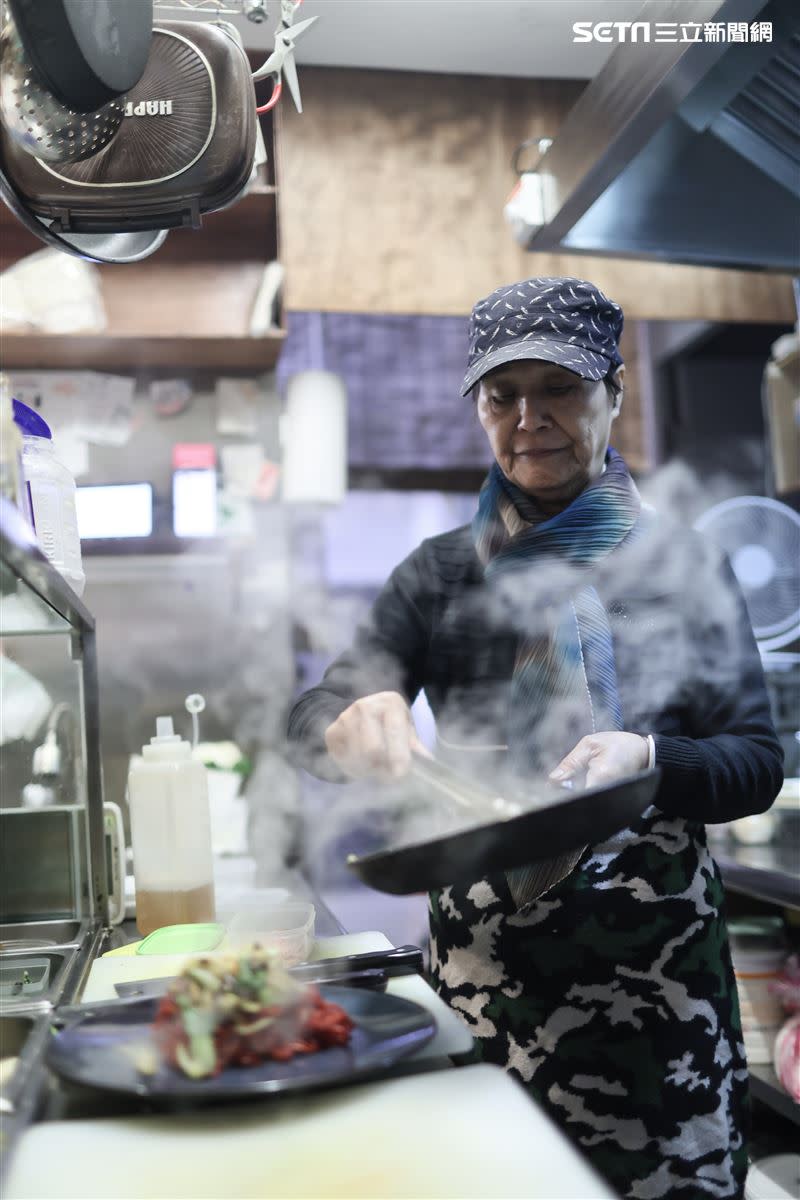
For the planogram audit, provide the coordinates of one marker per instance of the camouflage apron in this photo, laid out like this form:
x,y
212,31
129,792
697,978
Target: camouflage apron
x,y
612,999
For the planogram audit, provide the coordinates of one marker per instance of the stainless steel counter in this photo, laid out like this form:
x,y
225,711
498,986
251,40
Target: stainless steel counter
x,y
35,1094
770,872
344,1141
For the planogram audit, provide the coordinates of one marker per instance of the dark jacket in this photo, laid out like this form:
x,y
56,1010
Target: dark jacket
x,y
688,667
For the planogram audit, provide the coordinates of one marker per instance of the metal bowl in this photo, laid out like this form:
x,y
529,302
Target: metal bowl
x,y
39,122
124,247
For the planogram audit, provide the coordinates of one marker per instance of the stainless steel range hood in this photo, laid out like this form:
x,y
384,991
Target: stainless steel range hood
x,y
683,151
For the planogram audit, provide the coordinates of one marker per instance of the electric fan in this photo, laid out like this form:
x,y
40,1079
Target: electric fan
x,y
762,540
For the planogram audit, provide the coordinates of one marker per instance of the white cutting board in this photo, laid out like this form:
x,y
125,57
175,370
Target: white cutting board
x,y
462,1134
452,1035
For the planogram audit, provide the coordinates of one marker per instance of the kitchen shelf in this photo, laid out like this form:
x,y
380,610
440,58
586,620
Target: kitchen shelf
x,y
188,305
765,1088
109,352
770,872
175,314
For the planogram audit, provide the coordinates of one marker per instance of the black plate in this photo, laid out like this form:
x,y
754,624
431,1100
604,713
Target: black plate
x,y
99,1050
540,833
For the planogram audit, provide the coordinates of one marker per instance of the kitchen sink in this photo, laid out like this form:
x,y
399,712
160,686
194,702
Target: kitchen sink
x,y
14,1032
15,1035
23,1042
25,937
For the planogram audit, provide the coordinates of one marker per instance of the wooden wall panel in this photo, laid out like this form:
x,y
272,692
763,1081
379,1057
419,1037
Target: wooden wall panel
x,y
628,433
392,190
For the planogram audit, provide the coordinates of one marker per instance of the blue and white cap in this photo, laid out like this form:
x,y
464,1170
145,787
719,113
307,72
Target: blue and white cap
x,y
565,321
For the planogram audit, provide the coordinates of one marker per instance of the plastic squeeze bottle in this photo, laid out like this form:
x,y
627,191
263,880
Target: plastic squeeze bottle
x,y
171,833
51,490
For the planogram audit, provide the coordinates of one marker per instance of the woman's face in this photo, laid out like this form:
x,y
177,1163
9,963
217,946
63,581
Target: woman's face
x,y
548,428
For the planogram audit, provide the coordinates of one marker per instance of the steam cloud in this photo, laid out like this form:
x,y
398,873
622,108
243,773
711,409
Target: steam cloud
x,y
674,622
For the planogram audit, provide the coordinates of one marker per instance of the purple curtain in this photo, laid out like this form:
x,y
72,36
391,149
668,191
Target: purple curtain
x,y
403,376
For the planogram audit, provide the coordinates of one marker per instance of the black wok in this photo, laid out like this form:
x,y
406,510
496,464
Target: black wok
x,y
553,828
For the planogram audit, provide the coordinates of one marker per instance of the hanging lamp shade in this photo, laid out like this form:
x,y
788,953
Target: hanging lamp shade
x,y
314,437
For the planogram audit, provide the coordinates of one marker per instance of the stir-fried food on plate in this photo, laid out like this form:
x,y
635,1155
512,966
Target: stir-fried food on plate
x,y
237,1011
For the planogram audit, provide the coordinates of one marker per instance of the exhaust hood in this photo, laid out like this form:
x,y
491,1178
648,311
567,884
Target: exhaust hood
x,y
682,151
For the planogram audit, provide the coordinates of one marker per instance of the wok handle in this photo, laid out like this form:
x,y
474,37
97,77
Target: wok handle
x,y
399,960
371,968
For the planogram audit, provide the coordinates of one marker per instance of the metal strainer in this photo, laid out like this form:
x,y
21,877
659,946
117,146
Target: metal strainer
x,y
39,122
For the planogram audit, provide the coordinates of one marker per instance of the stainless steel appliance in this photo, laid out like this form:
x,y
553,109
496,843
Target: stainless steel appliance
x,y
53,890
682,148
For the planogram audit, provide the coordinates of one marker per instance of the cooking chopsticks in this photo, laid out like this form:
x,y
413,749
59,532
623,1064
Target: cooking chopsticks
x,y
481,802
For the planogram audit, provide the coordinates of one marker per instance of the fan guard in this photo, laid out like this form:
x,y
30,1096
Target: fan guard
x,y
762,540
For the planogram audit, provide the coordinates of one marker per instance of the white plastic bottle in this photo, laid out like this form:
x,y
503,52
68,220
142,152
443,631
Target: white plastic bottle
x,y
171,833
51,489
12,484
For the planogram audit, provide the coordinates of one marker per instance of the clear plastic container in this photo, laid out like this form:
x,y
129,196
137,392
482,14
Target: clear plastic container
x,y
12,482
20,980
51,490
773,1178
233,901
286,928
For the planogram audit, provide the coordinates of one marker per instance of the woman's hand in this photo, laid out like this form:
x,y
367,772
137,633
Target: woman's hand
x,y
374,736
604,757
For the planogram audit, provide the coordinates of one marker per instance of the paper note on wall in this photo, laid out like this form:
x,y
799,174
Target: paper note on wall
x,y
237,407
170,397
90,405
247,472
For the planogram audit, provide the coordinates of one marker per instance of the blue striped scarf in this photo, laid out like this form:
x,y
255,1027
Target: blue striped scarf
x,y
564,682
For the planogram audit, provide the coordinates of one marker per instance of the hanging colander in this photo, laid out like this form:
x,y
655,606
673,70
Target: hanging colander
x,y
41,123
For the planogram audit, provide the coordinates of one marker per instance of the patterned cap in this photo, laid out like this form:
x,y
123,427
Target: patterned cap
x,y
565,321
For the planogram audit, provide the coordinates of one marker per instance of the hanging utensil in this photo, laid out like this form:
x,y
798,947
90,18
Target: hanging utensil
x,y
41,123
63,76
281,61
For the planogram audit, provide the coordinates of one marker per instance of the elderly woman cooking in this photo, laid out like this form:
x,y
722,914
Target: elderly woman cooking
x,y
572,632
